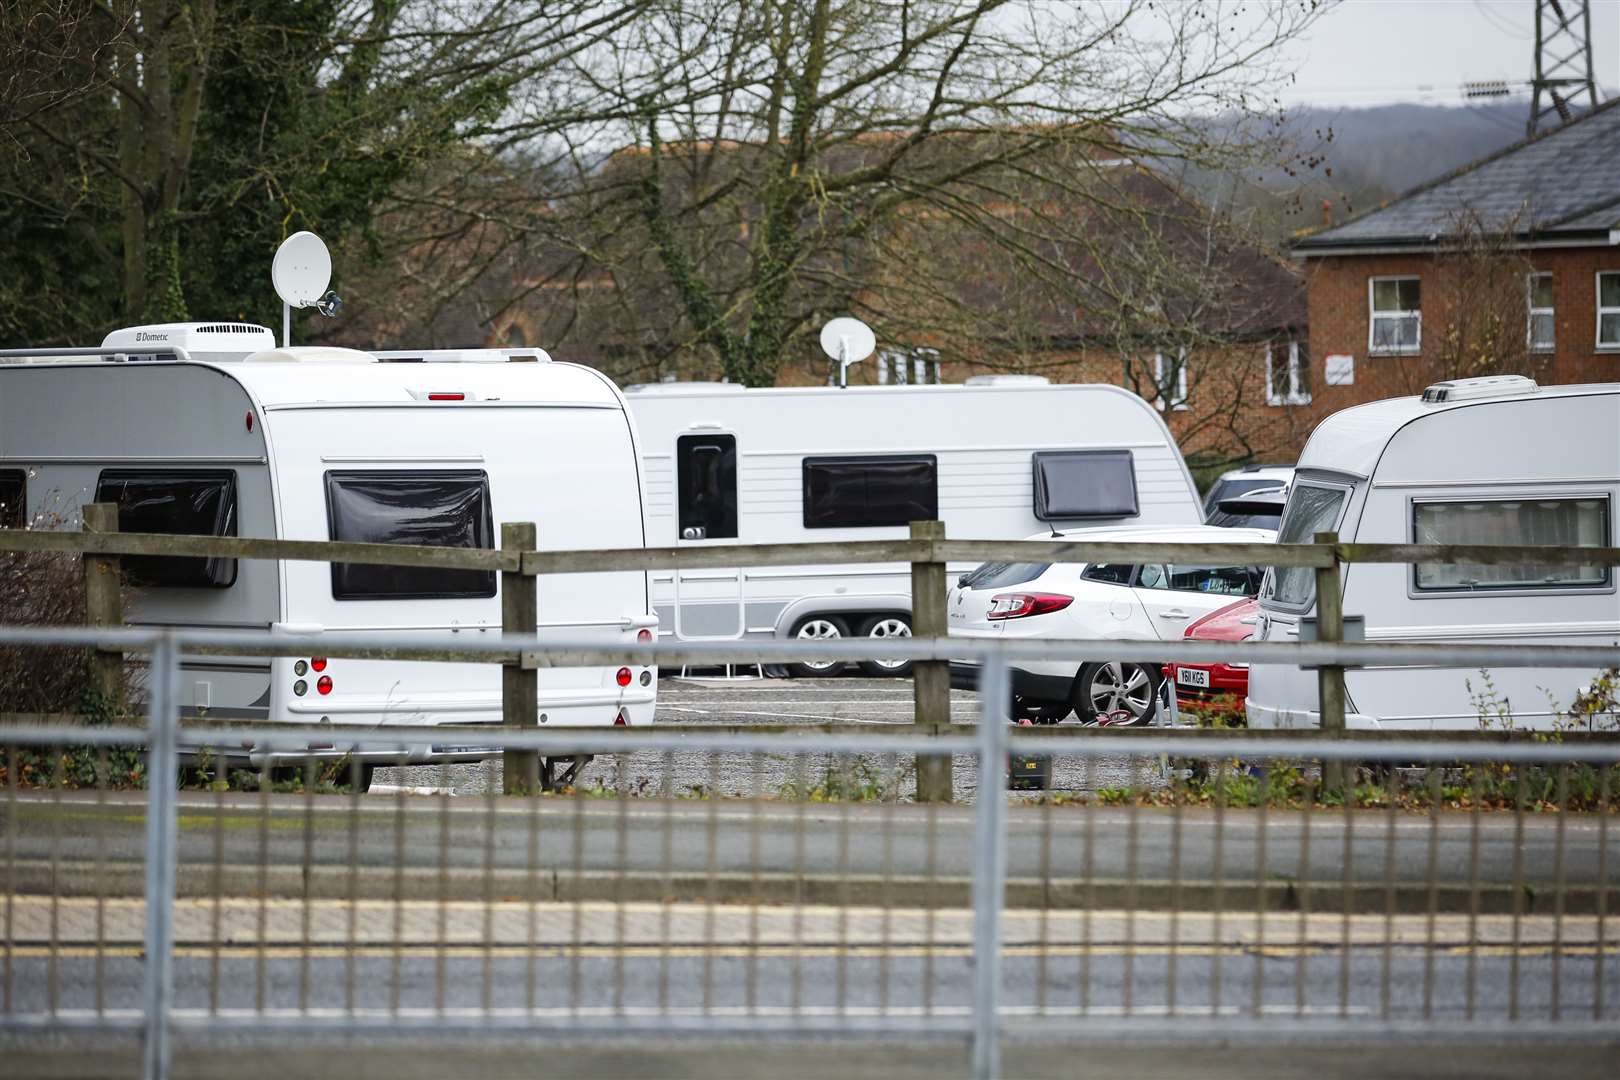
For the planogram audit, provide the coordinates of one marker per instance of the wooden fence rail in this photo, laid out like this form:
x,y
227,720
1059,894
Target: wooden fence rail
x,y
928,552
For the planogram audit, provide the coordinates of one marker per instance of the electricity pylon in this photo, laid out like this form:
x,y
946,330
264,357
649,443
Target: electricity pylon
x,y
1563,61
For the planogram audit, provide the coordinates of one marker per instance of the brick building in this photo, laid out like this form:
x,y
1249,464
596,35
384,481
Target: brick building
x,y
1508,265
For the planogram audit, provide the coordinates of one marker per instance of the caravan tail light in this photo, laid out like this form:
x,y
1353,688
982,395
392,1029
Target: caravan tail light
x,y
323,685
623,677
445,395
1023,605
621,720
318,663
643,635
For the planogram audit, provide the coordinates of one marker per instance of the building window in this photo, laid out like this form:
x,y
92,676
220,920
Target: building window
x,y
1170,381
914,368
1287,375
1396,325
1540,295
869,491
1608,290
1578,522
431,508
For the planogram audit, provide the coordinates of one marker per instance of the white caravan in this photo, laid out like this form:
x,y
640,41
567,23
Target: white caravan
x,y
1476,461
241,438
998,458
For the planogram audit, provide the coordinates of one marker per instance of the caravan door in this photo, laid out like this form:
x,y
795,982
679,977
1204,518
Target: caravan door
x,y
708,600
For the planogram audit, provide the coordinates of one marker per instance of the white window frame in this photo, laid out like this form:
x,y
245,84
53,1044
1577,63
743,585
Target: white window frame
x,y
1597,302
919,367
1373,315
1570,588
1530,319
1295,395
1177,399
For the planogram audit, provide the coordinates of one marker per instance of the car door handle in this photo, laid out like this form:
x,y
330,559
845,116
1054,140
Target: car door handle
x,y
1174,613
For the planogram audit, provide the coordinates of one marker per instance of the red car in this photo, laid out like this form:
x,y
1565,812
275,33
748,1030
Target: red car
x,y
1198,686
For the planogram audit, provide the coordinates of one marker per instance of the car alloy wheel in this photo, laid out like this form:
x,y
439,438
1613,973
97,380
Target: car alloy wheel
x,y
1116,686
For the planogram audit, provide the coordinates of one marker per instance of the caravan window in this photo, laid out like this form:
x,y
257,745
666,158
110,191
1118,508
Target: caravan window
x,y
1310,510
706,472
1556,522
1084,484
186,502
870,491
427,509
13,498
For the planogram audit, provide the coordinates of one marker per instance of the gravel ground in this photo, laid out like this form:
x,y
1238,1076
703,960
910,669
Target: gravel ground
x,y
788,703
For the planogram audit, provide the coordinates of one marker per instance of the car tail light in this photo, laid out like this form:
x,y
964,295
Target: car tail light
x,y
623,677
643,635
1023,605
323,685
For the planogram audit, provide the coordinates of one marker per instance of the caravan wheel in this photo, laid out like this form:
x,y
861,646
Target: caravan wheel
x,y
818,628
886,626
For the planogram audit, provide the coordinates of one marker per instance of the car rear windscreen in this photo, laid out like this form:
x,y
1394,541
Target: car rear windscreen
x,y
1084,484
199,502
869,490
999,575
424,509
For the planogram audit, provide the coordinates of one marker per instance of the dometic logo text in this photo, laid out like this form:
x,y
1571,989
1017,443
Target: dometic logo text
x,y
143,335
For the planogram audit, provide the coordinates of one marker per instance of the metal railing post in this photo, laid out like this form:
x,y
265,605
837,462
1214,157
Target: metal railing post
x,y
162,782
989,865
931,679
104,606
1330,679
520,769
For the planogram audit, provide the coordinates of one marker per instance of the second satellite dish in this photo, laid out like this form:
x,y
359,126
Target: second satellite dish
x,y
302,269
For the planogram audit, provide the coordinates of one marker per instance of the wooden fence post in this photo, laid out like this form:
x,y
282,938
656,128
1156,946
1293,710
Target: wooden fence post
x,y
1330,678
520,769
931,679
104,606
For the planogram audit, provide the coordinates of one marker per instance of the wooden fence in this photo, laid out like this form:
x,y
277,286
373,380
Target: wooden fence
x,y
519,562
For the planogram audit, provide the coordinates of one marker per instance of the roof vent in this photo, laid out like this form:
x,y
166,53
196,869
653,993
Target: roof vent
x,y
1491,386
206,342
1007,380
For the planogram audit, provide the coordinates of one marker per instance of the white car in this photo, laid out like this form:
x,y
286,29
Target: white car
x,y
1151,602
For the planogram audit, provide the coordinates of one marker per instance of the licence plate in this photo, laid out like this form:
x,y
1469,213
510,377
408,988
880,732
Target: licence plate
x,y
1192,677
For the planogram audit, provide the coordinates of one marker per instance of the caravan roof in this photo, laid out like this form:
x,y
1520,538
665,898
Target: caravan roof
x,y
316,376
1353,440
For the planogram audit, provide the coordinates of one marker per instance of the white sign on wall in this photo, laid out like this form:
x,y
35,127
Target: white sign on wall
x,y
1341,370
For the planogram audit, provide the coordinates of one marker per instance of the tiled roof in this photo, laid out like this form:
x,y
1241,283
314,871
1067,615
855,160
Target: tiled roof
x,y
1561,183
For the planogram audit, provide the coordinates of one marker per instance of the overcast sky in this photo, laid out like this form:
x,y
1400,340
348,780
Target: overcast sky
x,y
1372,52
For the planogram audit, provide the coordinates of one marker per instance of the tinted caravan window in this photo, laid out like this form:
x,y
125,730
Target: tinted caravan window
x,y
1084,484
188,502
426,509
13,498
869,491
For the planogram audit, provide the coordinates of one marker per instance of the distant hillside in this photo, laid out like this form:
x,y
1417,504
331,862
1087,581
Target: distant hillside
x,y
1367,156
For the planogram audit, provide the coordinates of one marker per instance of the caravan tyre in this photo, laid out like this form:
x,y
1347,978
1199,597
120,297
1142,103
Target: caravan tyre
x,y
1117,686
886,626
818,628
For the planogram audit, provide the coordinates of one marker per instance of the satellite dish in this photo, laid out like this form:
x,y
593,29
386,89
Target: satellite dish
x,y
302,270
848,341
